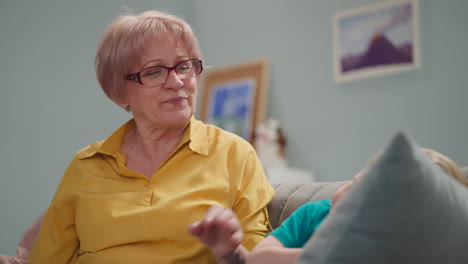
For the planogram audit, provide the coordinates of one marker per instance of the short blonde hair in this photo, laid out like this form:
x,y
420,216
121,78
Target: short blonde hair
x,y
449,166
123,42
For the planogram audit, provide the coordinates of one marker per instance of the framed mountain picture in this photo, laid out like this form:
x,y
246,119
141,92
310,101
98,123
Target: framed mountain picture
x,y
376,40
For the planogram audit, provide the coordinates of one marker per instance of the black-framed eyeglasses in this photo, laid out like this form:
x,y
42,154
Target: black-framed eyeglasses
x,y
157,75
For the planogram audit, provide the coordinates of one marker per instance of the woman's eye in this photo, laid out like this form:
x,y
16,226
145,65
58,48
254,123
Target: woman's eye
x,y
183,68
153,72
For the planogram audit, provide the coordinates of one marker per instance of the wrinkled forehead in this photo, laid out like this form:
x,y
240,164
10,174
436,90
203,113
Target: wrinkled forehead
x,y
167,40
160,42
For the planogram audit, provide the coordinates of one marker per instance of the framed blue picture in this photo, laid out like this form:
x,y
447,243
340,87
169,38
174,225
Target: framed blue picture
x,y
232,106
234,97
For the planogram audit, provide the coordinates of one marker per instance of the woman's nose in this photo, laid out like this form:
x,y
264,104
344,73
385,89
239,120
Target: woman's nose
x,y
173,81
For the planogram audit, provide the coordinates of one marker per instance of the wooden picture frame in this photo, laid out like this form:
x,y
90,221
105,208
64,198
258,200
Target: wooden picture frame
x,y
234,97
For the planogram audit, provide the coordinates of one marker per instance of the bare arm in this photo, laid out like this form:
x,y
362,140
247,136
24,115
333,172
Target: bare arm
x,y
272,251
220,230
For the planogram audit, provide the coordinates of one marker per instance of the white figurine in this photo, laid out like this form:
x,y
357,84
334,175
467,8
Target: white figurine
x,y
270,144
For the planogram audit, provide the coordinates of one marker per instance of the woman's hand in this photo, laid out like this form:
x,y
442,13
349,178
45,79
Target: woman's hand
x,y
221,231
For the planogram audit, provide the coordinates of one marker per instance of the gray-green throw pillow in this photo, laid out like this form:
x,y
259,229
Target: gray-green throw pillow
x,y
405,209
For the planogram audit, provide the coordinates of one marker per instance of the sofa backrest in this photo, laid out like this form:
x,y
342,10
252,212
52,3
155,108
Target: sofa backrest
x,y
289,196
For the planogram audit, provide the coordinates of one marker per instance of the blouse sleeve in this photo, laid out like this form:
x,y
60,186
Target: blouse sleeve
x,y
57,241
251,195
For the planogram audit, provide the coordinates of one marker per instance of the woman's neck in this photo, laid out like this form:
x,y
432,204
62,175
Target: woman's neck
x,y
147,147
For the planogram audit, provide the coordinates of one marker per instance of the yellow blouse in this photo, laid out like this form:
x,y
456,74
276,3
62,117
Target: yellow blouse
x,y
103,212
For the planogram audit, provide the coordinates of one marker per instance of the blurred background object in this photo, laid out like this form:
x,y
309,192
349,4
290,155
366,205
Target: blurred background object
x,y
270,144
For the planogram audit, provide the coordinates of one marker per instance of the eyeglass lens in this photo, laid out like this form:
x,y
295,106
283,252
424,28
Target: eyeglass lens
x,y
158,74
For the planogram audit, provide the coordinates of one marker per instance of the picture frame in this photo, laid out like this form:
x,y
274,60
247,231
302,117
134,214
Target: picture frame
x,y
234,97
375,40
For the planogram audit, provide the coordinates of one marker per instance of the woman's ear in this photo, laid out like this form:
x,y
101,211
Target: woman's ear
x,y
123,101
124,105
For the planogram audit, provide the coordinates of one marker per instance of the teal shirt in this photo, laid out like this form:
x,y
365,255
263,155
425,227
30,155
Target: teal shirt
x,y
297,228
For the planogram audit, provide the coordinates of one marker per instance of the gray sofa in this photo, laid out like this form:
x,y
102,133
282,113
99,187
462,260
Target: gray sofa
x,y
288,197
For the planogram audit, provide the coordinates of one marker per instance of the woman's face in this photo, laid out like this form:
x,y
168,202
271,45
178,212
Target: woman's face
x,y
172,103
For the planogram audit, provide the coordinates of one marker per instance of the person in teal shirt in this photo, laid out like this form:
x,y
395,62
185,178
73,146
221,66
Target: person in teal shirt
x,y
297,228
220,230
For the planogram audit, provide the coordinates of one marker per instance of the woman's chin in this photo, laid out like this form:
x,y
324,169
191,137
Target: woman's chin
x,y
180,118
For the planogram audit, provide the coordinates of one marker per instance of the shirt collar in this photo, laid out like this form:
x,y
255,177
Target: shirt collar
x,y
195,135
198,137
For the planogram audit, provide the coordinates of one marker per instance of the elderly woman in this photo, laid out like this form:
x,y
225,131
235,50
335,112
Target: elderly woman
x,y
130,197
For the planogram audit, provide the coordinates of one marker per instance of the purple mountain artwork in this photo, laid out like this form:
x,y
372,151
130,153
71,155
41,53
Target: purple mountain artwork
x,y
380,51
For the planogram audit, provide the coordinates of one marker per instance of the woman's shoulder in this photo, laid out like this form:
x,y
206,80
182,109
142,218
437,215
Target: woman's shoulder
x,y
89,150
218,135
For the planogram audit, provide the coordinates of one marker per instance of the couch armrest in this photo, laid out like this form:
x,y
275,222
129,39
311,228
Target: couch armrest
x,y
289,196
24,246
4,259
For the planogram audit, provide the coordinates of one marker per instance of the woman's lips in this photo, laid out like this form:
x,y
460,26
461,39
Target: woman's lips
x,y
175,100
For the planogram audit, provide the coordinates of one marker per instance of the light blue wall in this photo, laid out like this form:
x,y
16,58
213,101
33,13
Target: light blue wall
x,y
51,105
332,129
